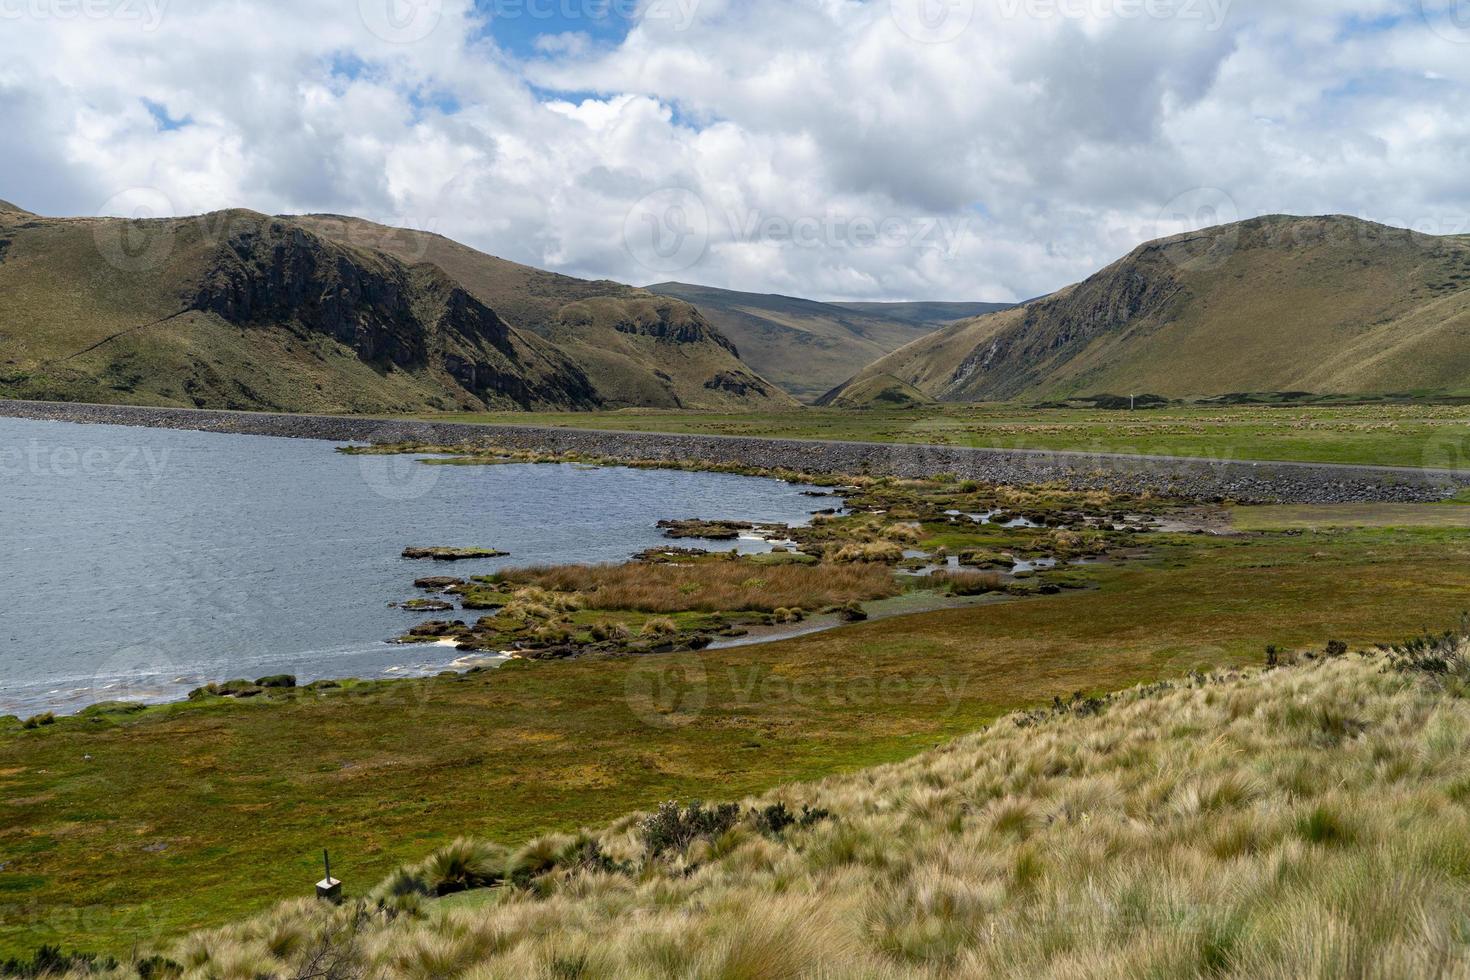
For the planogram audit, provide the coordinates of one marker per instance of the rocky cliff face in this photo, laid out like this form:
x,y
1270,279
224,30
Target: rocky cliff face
x,y
270,272
677,323
1057,327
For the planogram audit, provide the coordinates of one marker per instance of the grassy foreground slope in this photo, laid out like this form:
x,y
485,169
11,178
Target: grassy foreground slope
x,y
121,828
1304,821
1436,436
1325,305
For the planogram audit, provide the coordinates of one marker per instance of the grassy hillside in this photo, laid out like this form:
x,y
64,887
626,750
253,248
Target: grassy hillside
x,y
1305,820
638,349
1320,305
804,346
239,310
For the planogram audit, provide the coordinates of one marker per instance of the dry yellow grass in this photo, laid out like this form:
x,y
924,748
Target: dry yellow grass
x,y
711,586
1299,822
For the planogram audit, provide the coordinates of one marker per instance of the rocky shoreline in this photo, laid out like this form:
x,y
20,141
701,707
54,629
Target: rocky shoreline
x,y
1242,481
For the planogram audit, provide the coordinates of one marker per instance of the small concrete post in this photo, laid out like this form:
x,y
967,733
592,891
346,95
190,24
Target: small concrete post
x,y
329,889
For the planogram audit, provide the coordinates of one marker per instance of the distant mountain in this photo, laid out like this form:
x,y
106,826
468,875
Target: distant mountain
x,y
804,346
1324,305
934,315
637,348
240,310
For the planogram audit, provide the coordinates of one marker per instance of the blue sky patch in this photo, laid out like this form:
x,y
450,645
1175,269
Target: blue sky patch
x,y
165,122
516,25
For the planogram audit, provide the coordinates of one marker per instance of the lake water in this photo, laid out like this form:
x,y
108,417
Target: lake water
x,y
141,563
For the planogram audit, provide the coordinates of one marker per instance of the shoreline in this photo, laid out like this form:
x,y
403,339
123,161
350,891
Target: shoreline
x,y
881,609
1175,477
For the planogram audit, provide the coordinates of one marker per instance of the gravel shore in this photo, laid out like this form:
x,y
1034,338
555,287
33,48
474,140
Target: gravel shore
x,y
1199,479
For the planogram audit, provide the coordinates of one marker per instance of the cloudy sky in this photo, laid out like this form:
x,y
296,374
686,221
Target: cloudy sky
x,y
840,149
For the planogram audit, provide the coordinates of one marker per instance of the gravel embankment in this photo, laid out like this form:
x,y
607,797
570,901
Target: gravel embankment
x,y
1189,478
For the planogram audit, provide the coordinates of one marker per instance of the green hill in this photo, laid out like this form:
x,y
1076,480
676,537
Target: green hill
x,y
638,349
1324,305
239,310
242,310
803,346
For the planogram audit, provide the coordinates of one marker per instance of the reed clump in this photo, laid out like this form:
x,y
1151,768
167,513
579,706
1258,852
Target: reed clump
x,y
705,587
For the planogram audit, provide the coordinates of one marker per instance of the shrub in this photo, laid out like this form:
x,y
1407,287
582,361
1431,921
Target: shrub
x,y
38,721
777,818
671,828
277,681
774,819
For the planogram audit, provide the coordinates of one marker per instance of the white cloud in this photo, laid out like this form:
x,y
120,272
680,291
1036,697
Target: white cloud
x,y
834,154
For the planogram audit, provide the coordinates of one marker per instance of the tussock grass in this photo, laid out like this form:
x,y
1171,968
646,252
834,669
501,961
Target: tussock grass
x,y
708,587
967,583
1198,828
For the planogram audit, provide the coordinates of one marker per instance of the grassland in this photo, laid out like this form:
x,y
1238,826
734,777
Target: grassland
x,y
130,827
1301,821
1428,435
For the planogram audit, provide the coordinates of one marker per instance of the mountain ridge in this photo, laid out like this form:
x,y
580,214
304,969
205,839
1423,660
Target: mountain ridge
x,y
1327,304
638,348
804,346
237,309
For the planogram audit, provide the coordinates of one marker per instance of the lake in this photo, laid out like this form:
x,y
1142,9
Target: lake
x,y
141,563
